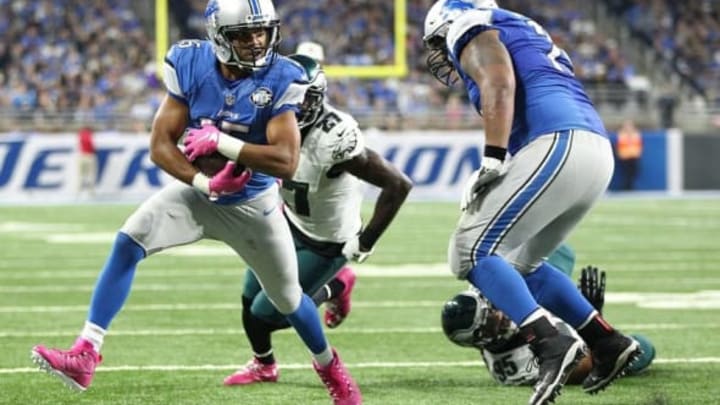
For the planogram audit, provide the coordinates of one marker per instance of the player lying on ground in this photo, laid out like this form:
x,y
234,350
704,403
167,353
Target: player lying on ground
x,y
322,207
469,320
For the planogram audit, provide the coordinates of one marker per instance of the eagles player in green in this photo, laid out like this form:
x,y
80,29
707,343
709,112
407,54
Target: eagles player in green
x,y
469,320
322,206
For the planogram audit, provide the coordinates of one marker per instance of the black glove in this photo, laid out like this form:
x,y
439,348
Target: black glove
x,y
592,286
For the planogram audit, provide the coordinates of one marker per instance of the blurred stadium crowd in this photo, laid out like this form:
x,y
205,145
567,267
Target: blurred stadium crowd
x,y
68,62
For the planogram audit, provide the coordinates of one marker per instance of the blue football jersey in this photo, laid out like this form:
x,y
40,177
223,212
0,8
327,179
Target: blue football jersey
x,y
240,108
548,96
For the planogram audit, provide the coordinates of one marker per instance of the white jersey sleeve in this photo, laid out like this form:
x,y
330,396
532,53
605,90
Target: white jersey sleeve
x,y
322,204
519,366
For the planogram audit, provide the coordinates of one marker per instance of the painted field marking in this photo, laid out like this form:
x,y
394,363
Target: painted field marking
x,y
342,331
420,364
700,300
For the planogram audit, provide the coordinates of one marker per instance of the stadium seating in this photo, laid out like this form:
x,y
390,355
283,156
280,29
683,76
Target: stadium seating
x,y
63,63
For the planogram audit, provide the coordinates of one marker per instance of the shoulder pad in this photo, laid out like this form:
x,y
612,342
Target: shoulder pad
x,y
340,136
185,60
468,20
289,82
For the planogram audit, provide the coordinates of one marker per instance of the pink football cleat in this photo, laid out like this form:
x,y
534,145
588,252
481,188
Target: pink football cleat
x,y
337,309
75,367
340,384
254,372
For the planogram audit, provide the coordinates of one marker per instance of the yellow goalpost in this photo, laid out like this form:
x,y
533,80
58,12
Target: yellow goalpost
x,y
399,67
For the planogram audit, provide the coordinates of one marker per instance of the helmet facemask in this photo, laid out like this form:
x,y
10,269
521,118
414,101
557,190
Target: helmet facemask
x,y
438,61
260,56
312,105
470,320
496,331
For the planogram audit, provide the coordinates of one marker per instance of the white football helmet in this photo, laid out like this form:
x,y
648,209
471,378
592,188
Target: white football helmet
x,y
437,23
226,19
469,320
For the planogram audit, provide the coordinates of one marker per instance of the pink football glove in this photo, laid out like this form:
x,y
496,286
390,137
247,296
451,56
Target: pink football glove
x,y
201,142
225,182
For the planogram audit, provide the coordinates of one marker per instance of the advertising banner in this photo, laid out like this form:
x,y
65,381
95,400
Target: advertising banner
x,y
44,168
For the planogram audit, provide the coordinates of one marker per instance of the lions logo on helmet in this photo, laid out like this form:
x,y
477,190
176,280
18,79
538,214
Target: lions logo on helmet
x,y
469,320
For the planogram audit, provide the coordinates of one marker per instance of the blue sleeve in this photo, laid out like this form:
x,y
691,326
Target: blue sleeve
x,y
291,91
179,68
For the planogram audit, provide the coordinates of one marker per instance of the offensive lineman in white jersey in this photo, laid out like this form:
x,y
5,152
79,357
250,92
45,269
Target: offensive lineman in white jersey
x,y
322,206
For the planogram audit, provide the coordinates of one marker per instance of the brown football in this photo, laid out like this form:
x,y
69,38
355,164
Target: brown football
x,y
209,165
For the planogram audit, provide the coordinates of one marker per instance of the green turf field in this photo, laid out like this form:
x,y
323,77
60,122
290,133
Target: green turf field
x,y
180,333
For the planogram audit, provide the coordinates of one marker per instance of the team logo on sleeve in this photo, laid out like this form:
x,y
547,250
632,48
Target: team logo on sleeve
x,y
344,145
261,97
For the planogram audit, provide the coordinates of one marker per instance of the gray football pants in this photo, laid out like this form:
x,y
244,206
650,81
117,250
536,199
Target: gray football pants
x,y
255,229
547,188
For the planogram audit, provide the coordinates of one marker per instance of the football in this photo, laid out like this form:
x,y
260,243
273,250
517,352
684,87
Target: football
x,y
211,164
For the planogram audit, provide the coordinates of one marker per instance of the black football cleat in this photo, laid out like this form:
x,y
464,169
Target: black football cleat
x,y
557,356
612,356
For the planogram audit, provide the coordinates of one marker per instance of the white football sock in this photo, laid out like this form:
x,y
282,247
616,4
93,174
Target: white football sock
x,y
324,358
263,355
534,316
93,334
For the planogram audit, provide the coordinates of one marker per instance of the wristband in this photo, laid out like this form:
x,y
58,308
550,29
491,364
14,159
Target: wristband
x,y
495,152
229,146
201,182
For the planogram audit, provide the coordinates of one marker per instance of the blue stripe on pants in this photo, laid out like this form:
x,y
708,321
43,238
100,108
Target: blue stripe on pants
x,y
524,197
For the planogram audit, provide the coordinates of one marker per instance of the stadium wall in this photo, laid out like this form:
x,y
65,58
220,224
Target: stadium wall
x,y
652,173
702,171
42,168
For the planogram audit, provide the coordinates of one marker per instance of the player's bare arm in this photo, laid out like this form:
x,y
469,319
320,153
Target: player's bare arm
x,y
487,61
372,168
280,156
168,125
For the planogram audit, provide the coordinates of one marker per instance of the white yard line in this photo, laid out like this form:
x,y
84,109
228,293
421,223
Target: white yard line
x,y
204,307
631,328
420,364
699,300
